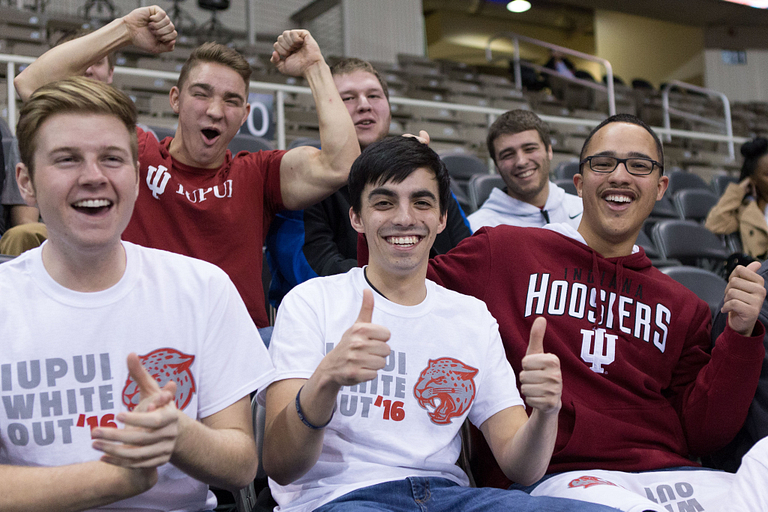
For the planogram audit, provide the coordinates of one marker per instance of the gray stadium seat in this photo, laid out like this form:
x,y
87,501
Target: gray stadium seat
x,y
161,132
566,170
707,285
463,166
689,242
567,185
246,142
694,203
665,208
461,197
679,180
304,141
721,182
480,187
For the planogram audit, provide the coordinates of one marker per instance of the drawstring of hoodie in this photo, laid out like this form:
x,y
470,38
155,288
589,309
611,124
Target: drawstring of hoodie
x,y
599,301
598,292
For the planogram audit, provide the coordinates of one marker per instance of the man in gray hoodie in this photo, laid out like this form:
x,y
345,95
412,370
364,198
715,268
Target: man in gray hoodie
x,y
518,142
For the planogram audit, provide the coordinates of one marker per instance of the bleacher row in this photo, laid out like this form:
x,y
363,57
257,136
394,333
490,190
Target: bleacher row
x,y
460,136
26,33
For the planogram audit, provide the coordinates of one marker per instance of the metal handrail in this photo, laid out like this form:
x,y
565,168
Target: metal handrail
x,y
516,38
709,92
281,89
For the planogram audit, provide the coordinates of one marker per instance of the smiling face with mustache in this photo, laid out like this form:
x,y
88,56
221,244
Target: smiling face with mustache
x,y
617,203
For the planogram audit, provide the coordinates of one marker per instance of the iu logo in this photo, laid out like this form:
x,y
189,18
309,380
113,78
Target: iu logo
x,y
598,348
445,389
157,179
163,365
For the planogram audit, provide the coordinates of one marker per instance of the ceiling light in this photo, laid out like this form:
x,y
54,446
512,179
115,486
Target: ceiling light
x,y
518,5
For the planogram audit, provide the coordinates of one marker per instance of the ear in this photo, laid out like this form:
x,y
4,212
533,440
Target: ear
x,y
356,221
111,75
443,222
26,187
550,153
578,181
137,180
173,98
663,184
247,113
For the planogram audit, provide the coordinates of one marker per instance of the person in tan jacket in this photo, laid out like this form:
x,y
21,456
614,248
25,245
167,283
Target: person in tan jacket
x,y
742,206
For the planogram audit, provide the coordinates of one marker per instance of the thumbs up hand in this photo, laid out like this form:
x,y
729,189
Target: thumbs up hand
x,y
541,382
362,351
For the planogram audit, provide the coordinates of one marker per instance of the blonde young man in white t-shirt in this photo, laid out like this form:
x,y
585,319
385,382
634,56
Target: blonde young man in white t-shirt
x,y
378,368
79,428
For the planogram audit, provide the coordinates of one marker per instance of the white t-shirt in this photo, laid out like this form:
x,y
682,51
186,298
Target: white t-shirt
x,y
446,350
63,359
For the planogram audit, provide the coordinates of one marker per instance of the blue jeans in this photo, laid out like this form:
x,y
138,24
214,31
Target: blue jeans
x,y
266,334
417,494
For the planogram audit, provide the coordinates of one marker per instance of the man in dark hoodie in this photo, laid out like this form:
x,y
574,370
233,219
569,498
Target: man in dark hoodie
x,y
641,391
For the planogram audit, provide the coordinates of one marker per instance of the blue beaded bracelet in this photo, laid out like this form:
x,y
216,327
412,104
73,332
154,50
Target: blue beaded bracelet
x,y
304,420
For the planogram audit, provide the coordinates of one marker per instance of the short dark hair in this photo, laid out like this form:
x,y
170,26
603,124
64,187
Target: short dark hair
x,y
218,54
76,34
352,64
752,152
394,159
625,118
516,121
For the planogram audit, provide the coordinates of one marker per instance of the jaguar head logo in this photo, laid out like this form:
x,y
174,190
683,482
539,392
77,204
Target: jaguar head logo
x,y
445,389
589,481
163,365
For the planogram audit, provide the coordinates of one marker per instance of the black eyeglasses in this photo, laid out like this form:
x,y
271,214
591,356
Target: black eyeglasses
x,y
636,166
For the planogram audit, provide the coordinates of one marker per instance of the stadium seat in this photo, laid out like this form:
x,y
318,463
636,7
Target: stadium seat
x,y
678,180
665,208
644,241
462,197
304,141
161,132
251,499
480,187
566,170
640,83
246,142
694,203
461,167
567,185
689,242
707,285
721,182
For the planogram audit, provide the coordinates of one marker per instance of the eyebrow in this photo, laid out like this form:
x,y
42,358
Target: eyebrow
x,y
631,154
209,89
383,191
522,146
355,90
76,149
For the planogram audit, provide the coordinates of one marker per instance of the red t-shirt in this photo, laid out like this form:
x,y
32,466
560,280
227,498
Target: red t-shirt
x,y
217,215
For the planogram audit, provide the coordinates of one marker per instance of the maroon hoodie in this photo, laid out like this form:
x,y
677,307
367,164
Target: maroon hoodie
x,y
640,390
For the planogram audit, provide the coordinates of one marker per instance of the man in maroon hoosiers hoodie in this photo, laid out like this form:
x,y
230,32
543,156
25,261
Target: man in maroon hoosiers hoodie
x,y
640,390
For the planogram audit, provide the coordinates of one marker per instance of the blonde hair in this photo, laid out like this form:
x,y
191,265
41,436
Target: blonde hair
x,y
352,64
76,95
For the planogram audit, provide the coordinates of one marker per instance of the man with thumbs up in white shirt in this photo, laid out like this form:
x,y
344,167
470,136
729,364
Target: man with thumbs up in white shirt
x,y
378,368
